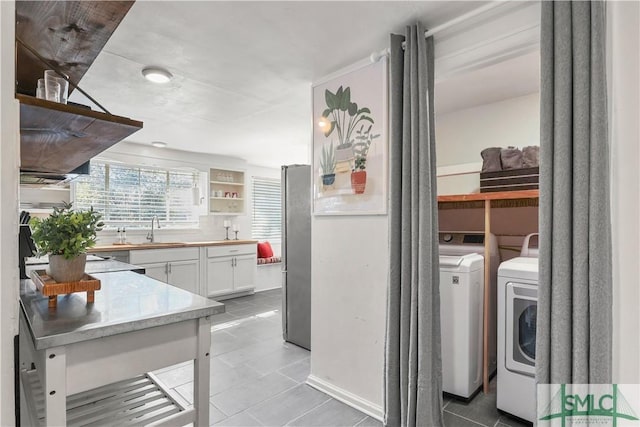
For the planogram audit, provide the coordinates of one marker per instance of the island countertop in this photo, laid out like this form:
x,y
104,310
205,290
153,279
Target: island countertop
x,y
165,245
126,302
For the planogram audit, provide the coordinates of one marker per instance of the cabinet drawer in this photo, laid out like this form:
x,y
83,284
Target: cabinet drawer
x,y
230,250
163,255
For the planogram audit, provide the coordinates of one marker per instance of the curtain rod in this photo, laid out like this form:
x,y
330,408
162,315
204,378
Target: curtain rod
x,y
466,16
375,56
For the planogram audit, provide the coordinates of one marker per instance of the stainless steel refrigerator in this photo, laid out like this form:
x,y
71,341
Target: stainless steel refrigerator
x,y
296,254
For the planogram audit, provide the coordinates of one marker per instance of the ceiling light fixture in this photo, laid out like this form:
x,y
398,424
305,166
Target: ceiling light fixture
x,y
156,74
159,144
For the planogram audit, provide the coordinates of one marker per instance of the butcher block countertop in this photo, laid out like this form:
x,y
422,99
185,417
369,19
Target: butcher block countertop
x,y
167,245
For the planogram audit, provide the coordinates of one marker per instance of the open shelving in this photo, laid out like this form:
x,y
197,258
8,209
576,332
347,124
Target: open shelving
x,y
54,137
58,138
226,192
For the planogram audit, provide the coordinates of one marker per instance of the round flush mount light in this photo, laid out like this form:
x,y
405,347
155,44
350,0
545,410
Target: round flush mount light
x,y
159,144
156,74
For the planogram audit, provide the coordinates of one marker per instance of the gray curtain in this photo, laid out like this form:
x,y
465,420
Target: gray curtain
x,y
574,308
413,369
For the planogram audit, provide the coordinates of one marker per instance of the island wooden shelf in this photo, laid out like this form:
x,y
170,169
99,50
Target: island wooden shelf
x,y
58,138
487,201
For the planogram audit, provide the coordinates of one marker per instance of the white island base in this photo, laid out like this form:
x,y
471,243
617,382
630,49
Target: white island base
x,y
97,374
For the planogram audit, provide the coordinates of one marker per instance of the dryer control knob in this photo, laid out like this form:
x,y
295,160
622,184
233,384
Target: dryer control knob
x,y
447,238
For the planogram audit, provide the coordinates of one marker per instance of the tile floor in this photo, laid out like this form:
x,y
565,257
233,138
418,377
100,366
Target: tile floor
x,y
259,380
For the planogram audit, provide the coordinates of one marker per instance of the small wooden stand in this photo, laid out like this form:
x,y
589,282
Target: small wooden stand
x,y
50,288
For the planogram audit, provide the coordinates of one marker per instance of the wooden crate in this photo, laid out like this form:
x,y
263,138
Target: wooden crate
x,y
50,288
510,180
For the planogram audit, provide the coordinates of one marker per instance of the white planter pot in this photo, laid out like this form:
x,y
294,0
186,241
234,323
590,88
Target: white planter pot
x,y
67,270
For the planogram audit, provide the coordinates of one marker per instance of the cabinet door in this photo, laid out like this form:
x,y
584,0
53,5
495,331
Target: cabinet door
x,y
184,274
156,271
244,272
219,275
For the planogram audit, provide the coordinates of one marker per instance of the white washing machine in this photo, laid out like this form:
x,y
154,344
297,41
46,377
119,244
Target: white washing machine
x,y
517,312
456,243
461,308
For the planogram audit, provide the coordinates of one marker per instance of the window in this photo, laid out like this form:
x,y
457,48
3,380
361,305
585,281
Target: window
x,y
130,195
267,209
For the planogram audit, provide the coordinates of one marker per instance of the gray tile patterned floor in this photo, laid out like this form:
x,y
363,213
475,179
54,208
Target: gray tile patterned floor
x,y
259,380
256,378
481,411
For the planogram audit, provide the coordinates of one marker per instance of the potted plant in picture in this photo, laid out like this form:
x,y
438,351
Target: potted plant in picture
x,y
65,236
328,165
361,150
342,116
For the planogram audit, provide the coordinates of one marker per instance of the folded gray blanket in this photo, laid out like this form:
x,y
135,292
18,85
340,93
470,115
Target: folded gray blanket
x,y
511,158
491,159
531,156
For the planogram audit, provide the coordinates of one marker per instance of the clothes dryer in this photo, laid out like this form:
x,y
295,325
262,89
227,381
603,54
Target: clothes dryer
x,y
517,313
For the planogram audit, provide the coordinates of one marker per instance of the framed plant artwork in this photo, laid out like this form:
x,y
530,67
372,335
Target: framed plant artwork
x,y
350,142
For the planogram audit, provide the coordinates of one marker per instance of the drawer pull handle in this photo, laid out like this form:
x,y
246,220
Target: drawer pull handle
x,y
235,250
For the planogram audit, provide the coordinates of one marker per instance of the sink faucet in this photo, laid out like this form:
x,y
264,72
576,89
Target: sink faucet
x,y
150,236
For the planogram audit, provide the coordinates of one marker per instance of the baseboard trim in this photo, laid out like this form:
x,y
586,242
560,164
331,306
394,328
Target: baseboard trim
x,y
346,397
257,291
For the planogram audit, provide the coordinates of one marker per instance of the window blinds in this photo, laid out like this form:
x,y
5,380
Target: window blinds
x,y
131,196
267,209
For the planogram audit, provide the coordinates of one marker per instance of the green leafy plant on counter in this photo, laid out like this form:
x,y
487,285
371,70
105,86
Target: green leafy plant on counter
x,y
66,232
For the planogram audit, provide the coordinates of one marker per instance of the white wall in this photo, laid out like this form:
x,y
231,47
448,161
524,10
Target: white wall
x,y
623,21
9,149
462,135
350,257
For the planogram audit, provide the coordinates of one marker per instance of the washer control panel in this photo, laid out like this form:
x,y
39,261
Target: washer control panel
x,y
470,238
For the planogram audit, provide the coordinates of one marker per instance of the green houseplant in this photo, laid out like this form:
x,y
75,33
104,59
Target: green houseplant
x,y
65,236
361,150
343,116
328,165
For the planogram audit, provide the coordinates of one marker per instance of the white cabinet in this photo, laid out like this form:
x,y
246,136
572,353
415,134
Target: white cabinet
x,y
176,266
230,269
219,275
245,272
185,275
156,271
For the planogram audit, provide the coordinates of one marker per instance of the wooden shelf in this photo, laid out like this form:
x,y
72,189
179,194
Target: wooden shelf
x,y
227,198
58,138
69,34
500,199
499,195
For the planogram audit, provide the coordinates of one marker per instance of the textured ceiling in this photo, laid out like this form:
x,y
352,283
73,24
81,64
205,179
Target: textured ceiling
x,y
242,70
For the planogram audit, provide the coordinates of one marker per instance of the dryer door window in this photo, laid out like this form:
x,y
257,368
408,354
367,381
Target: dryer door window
x,y
522,301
